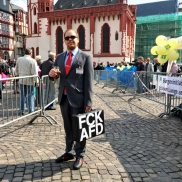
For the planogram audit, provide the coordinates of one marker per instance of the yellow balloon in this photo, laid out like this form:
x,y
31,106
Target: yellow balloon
x,y
173,43
162,59
154,50
161,40
173,55
161,50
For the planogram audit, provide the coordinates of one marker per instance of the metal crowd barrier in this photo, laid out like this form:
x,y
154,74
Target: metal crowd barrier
x,y
146,86
139,84
11,105
118,80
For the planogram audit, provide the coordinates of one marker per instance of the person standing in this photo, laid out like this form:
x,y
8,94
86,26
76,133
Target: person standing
x,y
150,69
140,77
75,92
157,66
27,66
49,89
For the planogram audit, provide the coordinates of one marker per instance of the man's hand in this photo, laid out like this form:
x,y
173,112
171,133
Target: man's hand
x,y
88,108
53,73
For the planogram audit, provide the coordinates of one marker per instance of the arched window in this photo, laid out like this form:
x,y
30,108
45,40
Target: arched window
x,y
42,7
81,33
37,51
59,40
116,35
6,55
105,38
33,53
35,27
34,10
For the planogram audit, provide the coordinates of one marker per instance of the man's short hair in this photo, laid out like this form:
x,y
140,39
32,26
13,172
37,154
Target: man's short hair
x,y
140,57
28,51
51,55
72,30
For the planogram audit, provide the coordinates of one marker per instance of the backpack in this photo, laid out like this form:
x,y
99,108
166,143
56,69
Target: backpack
x,y
177,112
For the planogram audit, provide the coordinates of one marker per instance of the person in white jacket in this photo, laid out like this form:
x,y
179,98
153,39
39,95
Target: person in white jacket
x,y
27,66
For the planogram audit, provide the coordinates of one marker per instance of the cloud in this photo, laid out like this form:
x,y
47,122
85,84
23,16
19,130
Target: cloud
x,y
20,3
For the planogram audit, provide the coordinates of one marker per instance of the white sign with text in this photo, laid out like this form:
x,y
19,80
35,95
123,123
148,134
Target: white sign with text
x,y
88,125
170,85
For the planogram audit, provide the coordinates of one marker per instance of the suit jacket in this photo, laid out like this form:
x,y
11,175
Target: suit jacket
x,y
79,87
45,67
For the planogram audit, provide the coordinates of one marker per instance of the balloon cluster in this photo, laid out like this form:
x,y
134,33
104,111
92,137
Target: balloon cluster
x,y
165,49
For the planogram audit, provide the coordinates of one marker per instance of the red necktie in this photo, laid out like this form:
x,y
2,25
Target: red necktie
x,y
68,65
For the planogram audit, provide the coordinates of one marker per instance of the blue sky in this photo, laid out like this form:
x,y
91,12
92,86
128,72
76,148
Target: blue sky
x,y
23,3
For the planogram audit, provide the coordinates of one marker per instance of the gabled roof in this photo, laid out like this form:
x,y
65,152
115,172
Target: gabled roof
x,y
71,4
156,8
16,8
5,6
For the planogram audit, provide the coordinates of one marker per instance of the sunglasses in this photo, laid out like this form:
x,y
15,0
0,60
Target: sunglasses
x,y
72,37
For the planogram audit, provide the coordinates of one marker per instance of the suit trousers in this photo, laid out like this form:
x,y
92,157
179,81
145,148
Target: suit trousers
x,y
67,111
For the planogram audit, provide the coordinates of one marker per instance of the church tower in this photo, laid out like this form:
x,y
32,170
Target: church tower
x,y
34,7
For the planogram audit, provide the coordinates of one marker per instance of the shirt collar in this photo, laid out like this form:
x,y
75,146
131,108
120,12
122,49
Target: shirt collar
x,y
73,51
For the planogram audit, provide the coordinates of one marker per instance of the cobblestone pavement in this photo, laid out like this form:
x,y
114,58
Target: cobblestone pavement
x,y
137,146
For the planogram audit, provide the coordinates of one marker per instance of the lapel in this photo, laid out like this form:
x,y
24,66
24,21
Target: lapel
x,y
75,61
62,66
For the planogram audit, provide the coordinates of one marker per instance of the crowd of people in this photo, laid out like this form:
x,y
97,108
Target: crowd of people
x,y
7,69
27,66
142,65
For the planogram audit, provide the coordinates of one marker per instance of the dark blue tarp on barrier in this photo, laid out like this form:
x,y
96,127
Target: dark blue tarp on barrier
x,y
125,76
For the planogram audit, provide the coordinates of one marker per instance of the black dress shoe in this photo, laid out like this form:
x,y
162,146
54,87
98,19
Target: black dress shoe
x,y
78,163
50,108
64,157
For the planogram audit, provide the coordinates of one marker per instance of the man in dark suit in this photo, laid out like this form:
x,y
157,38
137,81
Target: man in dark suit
x,y
75,92
49,89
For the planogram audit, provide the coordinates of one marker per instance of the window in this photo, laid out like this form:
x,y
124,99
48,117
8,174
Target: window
x,y
81,33
59,38
3,27
18,39
34,10
16,17
20,29
47,6
20,51
42,7
4,2
6,55
33,53
16,28
37,51
1,41
105,38
116,35
35,27
6,40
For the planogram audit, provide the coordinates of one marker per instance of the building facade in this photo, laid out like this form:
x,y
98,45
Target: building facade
x,y
13,29
106,28
20,30
6,30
